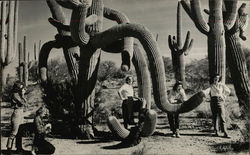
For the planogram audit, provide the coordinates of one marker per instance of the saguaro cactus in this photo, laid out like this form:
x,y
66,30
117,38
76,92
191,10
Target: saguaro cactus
x,y
177,51
236,58
9,22
234,26
90,55
214,30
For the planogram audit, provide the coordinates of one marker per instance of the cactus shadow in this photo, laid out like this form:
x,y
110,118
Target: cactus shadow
x,y
15,152
120,145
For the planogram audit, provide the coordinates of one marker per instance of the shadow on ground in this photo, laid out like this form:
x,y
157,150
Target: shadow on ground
x,y
14,152
231,147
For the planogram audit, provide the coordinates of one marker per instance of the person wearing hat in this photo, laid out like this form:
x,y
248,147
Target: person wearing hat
x,y
218,92
18,102
176,96
130,103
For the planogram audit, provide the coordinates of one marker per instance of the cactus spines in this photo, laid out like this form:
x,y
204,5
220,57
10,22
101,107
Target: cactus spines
x,y
116,127
177,51
149,123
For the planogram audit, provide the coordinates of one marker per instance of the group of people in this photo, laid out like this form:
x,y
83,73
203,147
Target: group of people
x,y
41,128
217,92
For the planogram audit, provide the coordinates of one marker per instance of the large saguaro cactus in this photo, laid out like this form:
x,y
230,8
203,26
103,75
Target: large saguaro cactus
x,y
236,59
177,51
234,24
214,30
88,36
9,23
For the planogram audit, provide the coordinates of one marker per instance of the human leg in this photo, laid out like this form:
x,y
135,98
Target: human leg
x,y
44,147
176,120
16,121
171,123
214,110
222,117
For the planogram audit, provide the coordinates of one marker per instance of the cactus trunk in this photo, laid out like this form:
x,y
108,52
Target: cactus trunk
x,y
25,63
238,70
143,76
9,20
88,68
216,40
20,62
68,50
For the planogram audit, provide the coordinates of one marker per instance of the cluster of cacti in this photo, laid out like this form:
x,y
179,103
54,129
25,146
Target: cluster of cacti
x,y
25,62
8,45
224,43
85,28
177,50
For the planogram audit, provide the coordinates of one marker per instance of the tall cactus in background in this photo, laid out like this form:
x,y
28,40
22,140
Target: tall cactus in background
x,y
213,30
8,45
177,51
236,58
234,26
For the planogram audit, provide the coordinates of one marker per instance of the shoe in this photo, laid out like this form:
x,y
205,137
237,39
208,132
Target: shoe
x,y
226,135
178,133
217,134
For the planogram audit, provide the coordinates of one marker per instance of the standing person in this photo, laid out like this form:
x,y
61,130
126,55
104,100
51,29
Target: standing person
x,y
218,92
41,146
18,102
130,103
176,96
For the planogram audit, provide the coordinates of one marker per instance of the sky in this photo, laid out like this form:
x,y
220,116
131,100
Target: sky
x,y
159,16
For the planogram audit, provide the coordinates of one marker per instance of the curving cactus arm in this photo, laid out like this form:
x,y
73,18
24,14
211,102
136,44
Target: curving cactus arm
x,y
127,51
193,9
43,58
155,60
188,44
230,16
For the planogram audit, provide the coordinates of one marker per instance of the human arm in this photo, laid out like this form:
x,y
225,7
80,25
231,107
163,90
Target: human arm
x,y
18,99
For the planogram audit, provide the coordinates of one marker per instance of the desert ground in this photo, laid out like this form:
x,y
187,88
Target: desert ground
x,y
196,134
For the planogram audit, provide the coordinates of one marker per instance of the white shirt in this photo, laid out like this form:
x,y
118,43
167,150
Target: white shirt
x,y
175,97
126,91
218,90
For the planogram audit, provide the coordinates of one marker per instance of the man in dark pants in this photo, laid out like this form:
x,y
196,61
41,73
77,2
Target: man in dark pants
x,y
218,92
130,103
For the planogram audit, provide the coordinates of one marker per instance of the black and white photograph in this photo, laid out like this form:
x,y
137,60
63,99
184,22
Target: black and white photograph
x,y
134,77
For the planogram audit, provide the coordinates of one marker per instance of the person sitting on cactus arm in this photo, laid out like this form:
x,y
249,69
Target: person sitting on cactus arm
x,y
130,103
218,92
176,96
41,146
18,102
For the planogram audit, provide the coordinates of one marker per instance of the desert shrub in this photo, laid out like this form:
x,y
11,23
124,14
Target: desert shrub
x,y
168,68
197,75
58,71
106,70
33,72
8,88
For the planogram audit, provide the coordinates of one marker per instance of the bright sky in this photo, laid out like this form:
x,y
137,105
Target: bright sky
x,y
159,16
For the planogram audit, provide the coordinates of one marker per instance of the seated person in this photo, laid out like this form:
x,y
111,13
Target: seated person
x,y
41,146
130,103
176,96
